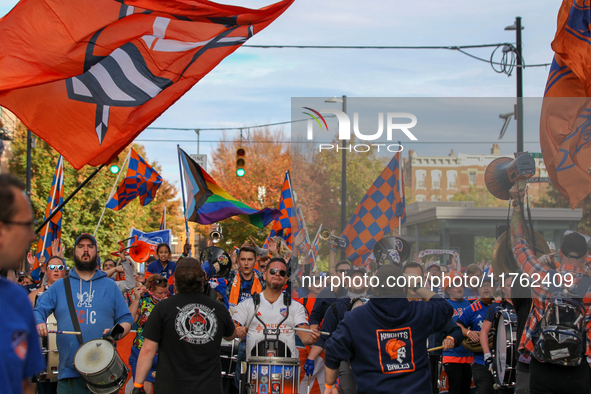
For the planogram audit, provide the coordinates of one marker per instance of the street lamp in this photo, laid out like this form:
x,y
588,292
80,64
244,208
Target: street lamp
x,y
519,79
343,172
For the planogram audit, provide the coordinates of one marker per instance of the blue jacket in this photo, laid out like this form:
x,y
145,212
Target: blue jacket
x,y
323,301
331,321
99,304
385,341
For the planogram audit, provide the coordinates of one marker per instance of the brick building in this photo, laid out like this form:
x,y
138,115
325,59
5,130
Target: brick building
x,y
438,178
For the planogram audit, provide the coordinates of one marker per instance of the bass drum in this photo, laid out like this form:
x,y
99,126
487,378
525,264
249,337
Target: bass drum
x,y
49,346
229,357
505,346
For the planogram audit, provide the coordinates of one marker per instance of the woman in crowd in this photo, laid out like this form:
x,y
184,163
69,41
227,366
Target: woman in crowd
x,y
145,300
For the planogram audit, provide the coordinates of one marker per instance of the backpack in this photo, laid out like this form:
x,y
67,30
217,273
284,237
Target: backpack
x,y
562,333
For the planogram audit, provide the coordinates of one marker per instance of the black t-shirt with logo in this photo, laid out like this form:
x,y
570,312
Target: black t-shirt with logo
x,y
188,328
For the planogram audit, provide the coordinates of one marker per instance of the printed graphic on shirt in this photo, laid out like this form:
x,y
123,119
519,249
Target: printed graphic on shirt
x,y
19,344
85,299
196,324
395,350
283,312
458,312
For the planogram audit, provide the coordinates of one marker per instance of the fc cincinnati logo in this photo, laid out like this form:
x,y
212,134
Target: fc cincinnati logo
x,y
196,323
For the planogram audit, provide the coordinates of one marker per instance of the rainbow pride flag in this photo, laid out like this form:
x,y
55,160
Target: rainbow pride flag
x,y
208,203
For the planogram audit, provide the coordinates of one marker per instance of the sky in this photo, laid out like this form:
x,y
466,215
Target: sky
x,y
255,86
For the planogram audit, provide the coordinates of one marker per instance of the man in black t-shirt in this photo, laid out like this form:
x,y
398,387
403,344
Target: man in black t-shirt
x,y
187,330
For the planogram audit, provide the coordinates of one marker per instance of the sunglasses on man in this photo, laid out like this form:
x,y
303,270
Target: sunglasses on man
x,y
275,271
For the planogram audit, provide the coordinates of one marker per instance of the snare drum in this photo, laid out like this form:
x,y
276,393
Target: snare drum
x,y
229,357
101,367
273,375
505,347
49,346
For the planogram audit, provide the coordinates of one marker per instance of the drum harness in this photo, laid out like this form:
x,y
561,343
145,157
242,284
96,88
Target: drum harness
x,y
75,323
271,341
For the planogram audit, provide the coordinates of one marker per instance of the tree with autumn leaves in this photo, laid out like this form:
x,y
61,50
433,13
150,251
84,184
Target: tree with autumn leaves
x,y
82,212
316,181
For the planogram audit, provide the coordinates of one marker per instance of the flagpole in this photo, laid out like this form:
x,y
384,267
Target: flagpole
x,y
183,193
112,192
400,189
44,236
59,207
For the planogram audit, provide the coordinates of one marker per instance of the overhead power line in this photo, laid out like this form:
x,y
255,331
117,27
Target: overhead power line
x,y
459,48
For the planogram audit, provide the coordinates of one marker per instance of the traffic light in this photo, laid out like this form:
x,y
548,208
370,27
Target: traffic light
x,y
114,165
240,162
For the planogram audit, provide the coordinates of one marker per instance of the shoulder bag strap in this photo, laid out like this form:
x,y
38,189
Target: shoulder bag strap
x,y
583,286
71,308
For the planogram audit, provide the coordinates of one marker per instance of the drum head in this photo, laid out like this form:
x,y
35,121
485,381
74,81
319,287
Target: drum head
x,y
501,348
94,356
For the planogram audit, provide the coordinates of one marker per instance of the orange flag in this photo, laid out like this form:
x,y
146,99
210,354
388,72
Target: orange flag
x,y
88,76
565,124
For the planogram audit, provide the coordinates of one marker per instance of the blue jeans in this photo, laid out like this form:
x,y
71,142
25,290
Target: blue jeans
x,y
135,352
72,386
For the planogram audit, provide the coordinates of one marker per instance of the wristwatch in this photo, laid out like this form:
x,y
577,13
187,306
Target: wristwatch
x,y
516,203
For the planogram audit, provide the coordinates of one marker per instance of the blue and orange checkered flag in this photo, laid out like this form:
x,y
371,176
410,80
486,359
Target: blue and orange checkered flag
x,y
286,224
53,229
140,181
380,211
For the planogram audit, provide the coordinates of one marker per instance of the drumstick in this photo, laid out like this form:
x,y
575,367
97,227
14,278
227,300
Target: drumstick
x,y
307,330
64,332
435,348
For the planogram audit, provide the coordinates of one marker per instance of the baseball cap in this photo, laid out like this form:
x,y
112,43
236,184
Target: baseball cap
x,y
431,264
574,246
359,270
87,236
447,282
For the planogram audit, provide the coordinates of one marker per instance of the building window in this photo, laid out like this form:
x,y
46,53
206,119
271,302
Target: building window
x,y
451,179
435,179
420,197
420,175
435,198
472,178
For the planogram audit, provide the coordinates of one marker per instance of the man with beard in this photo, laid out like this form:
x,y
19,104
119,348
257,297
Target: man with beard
x,y
471,323
21,351
271,312
98,304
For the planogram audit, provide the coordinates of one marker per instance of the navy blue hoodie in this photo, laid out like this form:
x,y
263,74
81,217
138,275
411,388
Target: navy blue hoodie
x,y
99,304
385,341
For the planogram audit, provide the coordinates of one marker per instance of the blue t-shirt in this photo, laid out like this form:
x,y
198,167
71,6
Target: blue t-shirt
x,y
19,343
155,267
472,318
459,308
